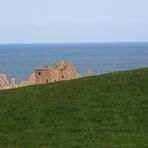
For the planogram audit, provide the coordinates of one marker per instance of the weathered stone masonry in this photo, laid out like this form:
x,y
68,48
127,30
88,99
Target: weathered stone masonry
x,y
59,71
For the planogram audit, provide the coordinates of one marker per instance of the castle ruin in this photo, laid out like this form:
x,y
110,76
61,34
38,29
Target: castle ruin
x,y
59,71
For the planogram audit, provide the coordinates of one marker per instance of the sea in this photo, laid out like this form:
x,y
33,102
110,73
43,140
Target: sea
x,y
20,60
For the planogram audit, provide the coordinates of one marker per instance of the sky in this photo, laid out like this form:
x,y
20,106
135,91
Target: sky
x,y
64,21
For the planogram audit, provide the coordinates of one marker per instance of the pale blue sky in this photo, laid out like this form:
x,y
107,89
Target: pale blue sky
x,y
31,21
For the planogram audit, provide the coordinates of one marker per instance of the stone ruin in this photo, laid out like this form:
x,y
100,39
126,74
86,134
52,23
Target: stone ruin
x,y
4,81
59,71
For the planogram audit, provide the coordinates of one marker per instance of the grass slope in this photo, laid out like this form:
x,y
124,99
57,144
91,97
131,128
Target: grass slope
x,y
107,111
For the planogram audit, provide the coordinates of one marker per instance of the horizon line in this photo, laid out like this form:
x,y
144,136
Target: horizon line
x,y
114,42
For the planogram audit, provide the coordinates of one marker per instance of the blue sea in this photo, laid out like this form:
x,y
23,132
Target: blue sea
x,y
20,60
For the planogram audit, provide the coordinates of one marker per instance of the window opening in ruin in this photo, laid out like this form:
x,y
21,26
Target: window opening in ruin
x,y
62,77
47,80
39,73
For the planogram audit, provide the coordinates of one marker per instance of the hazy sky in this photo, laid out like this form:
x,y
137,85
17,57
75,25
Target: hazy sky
x,y
28,21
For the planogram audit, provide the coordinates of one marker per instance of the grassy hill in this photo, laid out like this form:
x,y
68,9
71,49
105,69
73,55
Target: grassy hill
x,y
107,111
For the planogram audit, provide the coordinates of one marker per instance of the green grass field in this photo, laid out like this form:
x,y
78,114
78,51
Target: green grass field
x,y
107,111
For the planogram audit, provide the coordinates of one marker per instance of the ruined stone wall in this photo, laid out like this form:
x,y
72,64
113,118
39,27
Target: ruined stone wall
x,y
66,71
54,75
4,83
43,76
59,71
30,81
